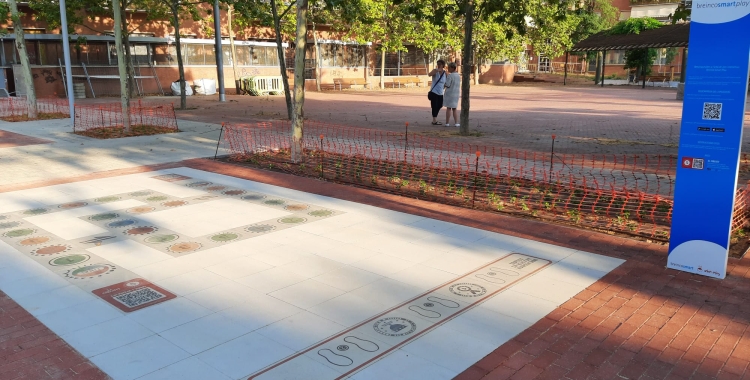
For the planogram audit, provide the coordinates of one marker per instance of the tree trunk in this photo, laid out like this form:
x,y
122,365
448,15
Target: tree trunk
x,y
317,58
466,61
282,61
476,70
28,79
232,47
382,67
128,55
299,81
124,93
180,65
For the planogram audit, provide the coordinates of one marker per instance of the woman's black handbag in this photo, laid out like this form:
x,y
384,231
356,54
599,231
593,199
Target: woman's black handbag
x,y
431,94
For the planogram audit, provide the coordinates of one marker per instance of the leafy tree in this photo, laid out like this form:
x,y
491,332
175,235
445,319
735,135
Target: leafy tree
x,y
638,59
268,13
23,55
175,11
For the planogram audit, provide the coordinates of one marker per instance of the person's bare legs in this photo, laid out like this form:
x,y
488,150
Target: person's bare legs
x,y
448,116
455,116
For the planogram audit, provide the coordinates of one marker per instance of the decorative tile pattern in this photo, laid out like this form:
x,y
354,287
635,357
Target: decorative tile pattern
x,y
77,262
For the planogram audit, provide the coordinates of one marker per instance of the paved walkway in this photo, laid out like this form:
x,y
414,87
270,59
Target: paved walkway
x,y
112,269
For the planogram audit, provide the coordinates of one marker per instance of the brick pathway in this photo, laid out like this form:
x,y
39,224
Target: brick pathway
x,y
30,351
11,140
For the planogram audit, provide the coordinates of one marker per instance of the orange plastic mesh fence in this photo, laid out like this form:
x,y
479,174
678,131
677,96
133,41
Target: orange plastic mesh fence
x,y
631,194
17,106
109,115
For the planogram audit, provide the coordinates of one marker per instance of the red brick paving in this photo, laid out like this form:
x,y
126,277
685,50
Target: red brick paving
x,y
11,139
29,350
640,321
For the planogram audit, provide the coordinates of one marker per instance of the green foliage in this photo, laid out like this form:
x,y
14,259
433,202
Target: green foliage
x,y
635,26
641,59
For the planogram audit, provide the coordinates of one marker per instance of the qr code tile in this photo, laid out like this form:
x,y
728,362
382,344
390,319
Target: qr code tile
x,y
698,163
712,111
138,297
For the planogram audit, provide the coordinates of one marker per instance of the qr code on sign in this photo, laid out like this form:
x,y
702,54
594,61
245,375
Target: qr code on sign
x,y
712,111
698,163
138,297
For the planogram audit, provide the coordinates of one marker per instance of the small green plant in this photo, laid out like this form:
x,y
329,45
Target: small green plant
x,y
574,216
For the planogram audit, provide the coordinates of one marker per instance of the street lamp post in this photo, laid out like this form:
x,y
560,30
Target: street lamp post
x,y
66,55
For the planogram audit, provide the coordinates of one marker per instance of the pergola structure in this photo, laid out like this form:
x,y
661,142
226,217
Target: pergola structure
x,y
667,36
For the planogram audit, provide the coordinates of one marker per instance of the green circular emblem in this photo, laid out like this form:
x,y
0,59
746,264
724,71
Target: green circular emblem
x,y
254,197
111,198
292,220
107,216
158,239
260,228
274,202
35,211
6,225
225,237
19,233
69,260
140,193
157,198
321,213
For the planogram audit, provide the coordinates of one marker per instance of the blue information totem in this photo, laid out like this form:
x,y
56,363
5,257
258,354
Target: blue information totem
x,y
710,136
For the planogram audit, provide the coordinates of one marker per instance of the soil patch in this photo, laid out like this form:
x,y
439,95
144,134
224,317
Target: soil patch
x,y
118,132
40,116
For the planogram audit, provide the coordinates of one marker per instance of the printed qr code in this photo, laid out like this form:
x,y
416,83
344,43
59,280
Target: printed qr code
x,y
138,297
712,111
698,163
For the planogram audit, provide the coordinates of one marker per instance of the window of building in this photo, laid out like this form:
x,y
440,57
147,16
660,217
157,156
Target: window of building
x,y
616,57
340,55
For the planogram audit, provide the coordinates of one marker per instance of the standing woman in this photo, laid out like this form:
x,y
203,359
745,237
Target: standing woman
x,y
452,93
436,92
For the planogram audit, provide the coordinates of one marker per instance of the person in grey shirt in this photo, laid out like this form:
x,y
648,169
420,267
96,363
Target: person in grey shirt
x,y
452,94
436,92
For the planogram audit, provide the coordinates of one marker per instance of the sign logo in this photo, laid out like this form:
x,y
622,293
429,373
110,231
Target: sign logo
x,y
467,290
394,326
692,163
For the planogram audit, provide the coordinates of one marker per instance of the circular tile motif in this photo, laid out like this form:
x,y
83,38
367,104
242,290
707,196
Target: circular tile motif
x,y
90,271
199,184
110,198
174,203
234,192
141,193
274,202
466,289
36,240
188,246
292,220
51,250
296,207
342,347
107,216
140,209
157,198
144,230
216,188
69,260
3,217
35,211
394,326
121,223
225,237
72,205
6,225
260,228
158,239
19,232
254,197
320,213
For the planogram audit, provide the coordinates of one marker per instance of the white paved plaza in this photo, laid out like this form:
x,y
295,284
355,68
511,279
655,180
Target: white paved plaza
x,y
187,274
